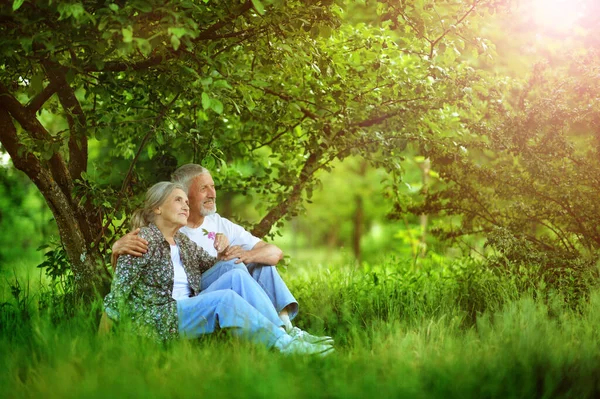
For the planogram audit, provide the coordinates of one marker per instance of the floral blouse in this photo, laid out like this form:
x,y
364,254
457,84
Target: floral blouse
x,y
142,287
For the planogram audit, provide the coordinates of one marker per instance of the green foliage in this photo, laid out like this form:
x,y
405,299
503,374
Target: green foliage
x,y
57,269
528,180
521,170
25,220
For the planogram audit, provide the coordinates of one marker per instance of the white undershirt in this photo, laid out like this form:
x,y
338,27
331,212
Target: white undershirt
x,y
181,285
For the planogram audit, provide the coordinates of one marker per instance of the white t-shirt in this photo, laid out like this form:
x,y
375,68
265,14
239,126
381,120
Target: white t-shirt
x,y
204,235
181,285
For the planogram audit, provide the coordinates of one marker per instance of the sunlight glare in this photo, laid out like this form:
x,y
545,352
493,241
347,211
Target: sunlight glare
x,y
4,159
557,15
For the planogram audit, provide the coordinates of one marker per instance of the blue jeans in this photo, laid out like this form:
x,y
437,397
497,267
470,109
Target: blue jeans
x,y
236,302
266,276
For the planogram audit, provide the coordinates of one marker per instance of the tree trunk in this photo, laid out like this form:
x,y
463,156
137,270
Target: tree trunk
x,y
53,180
358,227
423,218
359,214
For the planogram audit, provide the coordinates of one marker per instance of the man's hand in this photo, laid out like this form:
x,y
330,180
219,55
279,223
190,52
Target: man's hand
x,y
238,252
130,244
262,252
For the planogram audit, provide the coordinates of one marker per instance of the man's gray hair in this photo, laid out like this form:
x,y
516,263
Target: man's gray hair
x,y
186,173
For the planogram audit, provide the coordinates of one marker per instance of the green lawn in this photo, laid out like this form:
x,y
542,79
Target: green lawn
x,y
441,331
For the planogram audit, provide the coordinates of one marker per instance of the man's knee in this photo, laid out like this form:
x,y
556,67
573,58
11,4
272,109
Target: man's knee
x,y
259,270
240,275
231,265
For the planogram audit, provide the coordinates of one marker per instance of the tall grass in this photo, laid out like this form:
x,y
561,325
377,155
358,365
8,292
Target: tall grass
x,y
439,331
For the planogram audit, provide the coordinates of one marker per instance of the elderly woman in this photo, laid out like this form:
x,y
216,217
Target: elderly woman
x,y
160,291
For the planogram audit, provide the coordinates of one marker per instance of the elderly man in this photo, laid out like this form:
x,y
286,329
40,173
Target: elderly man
x,y
218,235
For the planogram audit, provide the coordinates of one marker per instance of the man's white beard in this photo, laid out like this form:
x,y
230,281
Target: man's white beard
x,y
206,212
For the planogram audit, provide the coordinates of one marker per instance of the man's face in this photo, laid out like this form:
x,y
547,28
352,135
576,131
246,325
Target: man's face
x,y
202,195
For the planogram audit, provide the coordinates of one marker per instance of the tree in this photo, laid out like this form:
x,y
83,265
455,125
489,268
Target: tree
x,y
527,178
287,88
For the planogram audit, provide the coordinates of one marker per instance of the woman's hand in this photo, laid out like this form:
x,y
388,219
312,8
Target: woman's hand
x,y
221,244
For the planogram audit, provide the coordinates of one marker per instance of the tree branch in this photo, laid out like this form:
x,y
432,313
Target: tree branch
x,y
119,66
287,98
23,159
38,101
36,130
209,33
378,119
78,146
277,212
458,22
127,179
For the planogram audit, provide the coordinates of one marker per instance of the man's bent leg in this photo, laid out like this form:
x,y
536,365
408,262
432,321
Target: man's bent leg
x,y
220,268
271,282
244,285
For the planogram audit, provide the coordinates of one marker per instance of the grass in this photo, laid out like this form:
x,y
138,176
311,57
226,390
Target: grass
x,y
440,331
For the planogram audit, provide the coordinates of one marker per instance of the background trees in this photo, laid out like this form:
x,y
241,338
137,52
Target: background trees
x,y
99,100
527,179
286,89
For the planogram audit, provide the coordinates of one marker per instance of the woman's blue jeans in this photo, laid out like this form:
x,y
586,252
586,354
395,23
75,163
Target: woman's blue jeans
x,y
234,301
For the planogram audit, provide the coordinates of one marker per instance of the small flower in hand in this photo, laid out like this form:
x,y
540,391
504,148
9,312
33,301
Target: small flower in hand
x,y
211,234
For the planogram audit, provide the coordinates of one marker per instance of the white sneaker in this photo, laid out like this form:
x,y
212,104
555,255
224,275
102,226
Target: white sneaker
x,y
298,347
302,335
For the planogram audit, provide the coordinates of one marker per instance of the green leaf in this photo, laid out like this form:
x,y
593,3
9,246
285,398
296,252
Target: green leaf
x,y
259,83
160,138
175,42
144,46
201,116
37,82
287,48
205,101
217,106
325,31
258,6
141,5
17,4
179,32
113,7
26,43
67,10
151,151
222,84
127,35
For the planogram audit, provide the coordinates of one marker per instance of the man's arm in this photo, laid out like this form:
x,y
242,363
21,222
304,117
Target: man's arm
x,y
262,252
126,276
129,244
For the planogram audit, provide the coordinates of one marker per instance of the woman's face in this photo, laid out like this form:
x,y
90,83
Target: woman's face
x,y
174,211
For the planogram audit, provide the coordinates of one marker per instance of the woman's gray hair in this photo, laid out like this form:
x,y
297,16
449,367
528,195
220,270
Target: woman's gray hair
x,y
155,197
186,173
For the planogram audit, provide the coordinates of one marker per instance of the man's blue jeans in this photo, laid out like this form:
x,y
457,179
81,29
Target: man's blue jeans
x,y
266,276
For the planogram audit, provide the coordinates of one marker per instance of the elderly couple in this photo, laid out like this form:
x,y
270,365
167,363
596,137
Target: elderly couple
x,y
186,271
